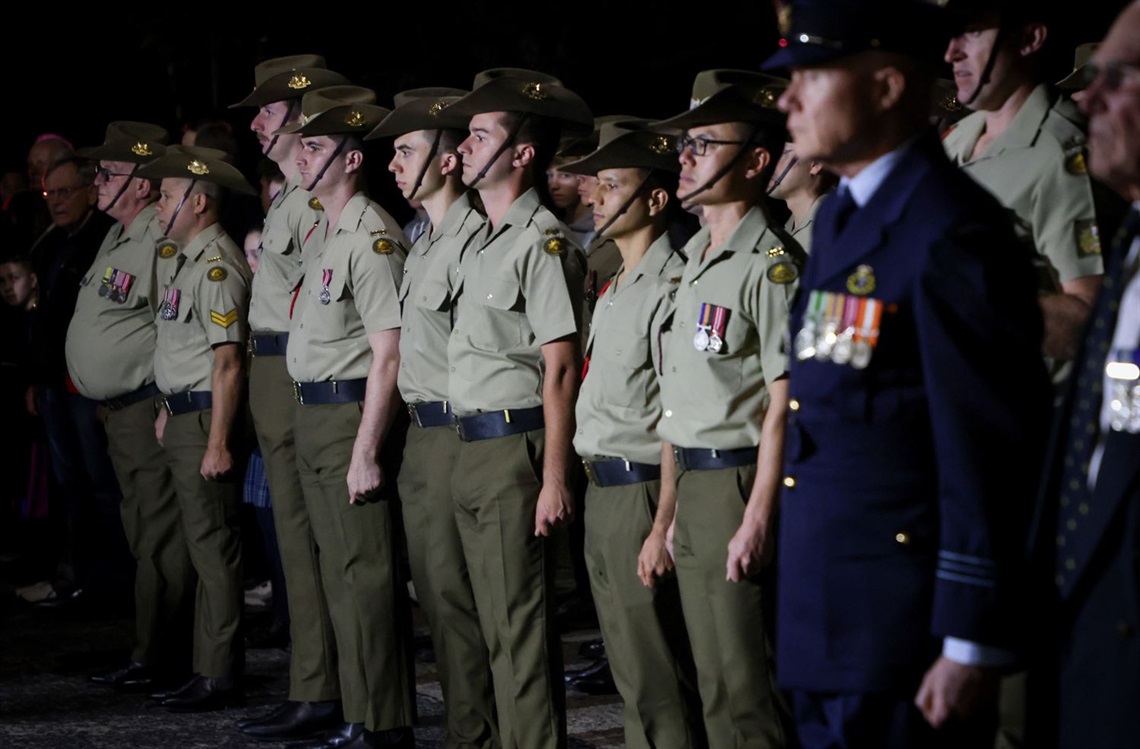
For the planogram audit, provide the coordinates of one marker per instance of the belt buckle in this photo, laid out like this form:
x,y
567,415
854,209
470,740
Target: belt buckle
x,y
297,394
591,474
166,405
413,415
678,458
459,428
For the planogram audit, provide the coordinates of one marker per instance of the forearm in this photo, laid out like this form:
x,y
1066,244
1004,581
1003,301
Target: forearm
x,y
1065,316
667,498
762,500
226,383
559,389
379,410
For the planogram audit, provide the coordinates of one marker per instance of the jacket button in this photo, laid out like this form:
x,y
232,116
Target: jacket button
x,y
902,538
789,482
794,405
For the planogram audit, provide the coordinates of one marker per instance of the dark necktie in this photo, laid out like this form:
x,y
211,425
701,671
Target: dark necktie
x,y
844,206
1083,427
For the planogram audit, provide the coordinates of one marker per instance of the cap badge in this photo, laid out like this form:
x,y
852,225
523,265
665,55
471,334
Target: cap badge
x,y
438,107
766,97
141,149
660,145
299,82
535,91
197,168
354,119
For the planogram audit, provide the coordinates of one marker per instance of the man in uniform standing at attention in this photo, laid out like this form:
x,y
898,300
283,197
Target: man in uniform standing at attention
x,y
916,365
198,365
1025,143
428,169
110,357
618,408
801,184
724,395
313,702
344,357
513,360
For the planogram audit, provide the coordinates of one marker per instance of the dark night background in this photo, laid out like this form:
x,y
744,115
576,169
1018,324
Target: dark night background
x,y
177,63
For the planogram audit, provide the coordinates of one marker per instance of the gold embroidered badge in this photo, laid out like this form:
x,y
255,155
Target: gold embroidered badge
x,y
141,149
167,250
783,272
862,281
197,168
217,274
299,82
554,246
225,320
383,247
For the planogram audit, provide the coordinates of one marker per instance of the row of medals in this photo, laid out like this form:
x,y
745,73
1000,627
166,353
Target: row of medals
x,y
113,292
1123,374
707,339
824,336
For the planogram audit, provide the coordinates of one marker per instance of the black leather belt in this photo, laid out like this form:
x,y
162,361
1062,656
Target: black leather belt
x,y
329,391
705,459
620,472
485,426
431,414
268,344
191,400
130,399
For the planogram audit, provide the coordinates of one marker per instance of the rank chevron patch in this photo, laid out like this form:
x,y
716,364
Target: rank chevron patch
x,y
225,320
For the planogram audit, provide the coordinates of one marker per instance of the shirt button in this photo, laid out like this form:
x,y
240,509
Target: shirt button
x,y
453,369
490,296
668,414
794,405
902,538
789,482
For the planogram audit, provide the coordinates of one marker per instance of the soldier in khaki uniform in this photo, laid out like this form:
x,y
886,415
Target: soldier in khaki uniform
x,y
1026,144
724,394
110,357
513,375
801,185
313,702
344,357
617,411
427,168
198,365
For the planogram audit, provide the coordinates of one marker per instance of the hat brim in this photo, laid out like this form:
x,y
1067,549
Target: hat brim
x,y
801,56
354,119
281,87
403,121
135,152
627,152
220,173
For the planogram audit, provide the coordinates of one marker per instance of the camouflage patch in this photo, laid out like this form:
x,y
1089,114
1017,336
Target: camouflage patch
x,y
167,250
1075,164
783,273
383,247
1088,238
553,246
216,274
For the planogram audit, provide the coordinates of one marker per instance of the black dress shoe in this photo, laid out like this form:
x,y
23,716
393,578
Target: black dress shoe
x,y
164,694
395,738
301,720
592,648
588,672
134,675
205,694
339,737
270,716
597,680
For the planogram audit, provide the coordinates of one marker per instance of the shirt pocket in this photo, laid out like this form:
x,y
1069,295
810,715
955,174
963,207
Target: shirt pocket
x,y
277,240
501,310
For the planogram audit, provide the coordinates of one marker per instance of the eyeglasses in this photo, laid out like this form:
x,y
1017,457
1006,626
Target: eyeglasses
x,y
700,146
106,174
1112,74
63,193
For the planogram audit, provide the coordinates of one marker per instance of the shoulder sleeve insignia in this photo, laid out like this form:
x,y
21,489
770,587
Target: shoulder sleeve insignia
x,y
217,274
225,320
315,203
167,250
383,247
1075,163
1088,238
783,272
554,246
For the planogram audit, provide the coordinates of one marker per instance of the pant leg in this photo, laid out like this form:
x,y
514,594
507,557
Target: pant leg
x,y
495,486
312,658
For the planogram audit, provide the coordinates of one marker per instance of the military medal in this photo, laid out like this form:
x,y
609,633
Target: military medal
x,y
1122,374
105,286
841,352
704,322
326,279
170,304
867,335
829,334
716,335
805,339
121,286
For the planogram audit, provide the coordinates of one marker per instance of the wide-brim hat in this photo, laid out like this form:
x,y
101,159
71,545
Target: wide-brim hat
x,y
534,95
338,110
1075,81
628,144
134,142
197,163
730,96
286,78
816,32
521,73
573,147
421,109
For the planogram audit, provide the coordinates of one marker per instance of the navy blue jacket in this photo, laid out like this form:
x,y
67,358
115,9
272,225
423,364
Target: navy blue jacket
x,y
911,481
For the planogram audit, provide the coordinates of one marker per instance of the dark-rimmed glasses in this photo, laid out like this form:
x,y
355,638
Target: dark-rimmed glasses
x,y
699,146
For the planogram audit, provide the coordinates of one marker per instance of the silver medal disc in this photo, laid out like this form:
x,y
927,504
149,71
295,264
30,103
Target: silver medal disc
x,y
325,296
701,339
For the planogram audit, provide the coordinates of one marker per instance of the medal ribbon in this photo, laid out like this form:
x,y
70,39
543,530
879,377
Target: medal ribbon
x,y
720,315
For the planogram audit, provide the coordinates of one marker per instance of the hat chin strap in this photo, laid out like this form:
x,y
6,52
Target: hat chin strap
x,y
625,206
328,162
178,208
987,71
514,133
427,162
683,199
123,189
288,116
780,177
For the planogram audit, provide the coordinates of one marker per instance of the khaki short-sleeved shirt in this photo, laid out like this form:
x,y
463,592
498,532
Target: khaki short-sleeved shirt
x,y
291,219
802,233
426,297
520,286
619,403
1037,169
111,338
717,399
350,291
602,261
207,304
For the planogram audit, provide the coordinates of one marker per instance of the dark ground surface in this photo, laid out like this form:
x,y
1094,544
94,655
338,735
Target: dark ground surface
x,y
46,701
